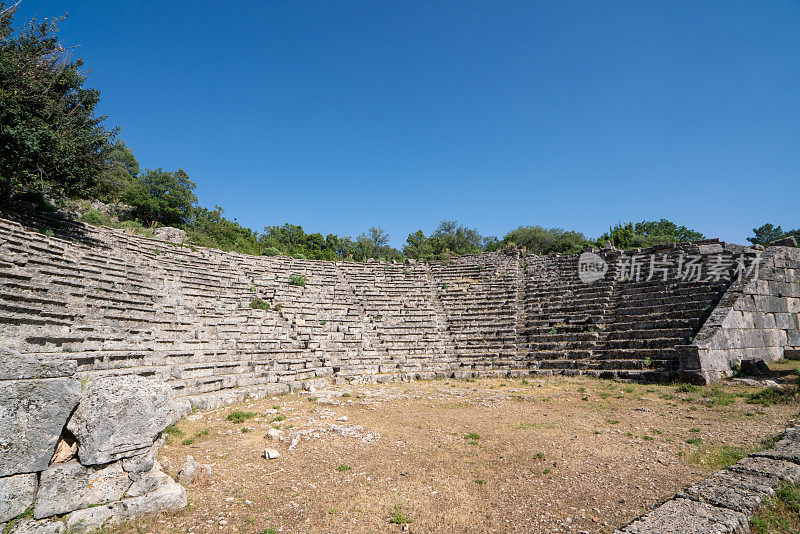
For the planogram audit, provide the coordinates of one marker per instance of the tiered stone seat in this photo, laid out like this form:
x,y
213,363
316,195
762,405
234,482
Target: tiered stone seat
x,y
119,303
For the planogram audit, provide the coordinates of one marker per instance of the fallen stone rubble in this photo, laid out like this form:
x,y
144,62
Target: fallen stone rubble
x,y
76,455
724,502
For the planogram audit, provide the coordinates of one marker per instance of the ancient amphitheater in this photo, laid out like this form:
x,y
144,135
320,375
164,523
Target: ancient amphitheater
x,y
88,315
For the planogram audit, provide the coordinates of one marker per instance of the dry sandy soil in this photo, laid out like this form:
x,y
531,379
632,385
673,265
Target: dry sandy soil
x,y
536,455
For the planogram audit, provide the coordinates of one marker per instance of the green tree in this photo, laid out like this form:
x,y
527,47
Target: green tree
x,y
539,240
121,173
51,141
648,233
162,196
766,234
449,238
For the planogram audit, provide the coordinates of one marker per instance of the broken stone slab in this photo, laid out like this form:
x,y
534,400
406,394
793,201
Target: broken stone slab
x,y
784,242
95,518
32,415
29,526
18,366
778,469
271,454
144,483
684,516
739,491
188,471
754,367
273,434
68,487
66,449
120,417
16,495
787,450
168,497
171,234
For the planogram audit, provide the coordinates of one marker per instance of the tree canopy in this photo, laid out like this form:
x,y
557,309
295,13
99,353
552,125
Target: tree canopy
x,y
648,233
766,234
51,140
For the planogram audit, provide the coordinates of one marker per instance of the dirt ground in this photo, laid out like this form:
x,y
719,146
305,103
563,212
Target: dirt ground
x,y
535,455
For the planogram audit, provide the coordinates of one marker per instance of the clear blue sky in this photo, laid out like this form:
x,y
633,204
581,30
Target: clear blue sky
x,y
341,115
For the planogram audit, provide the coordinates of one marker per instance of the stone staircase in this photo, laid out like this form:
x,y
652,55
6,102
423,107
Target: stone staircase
x,y
121,304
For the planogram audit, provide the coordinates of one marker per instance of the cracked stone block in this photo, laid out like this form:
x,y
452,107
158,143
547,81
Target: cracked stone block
x,y
32,415
684,516
67,487
784,471
16,495
739,491
120,417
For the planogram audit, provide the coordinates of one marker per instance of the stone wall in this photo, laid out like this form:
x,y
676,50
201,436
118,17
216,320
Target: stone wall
x,y
110,336
120,304
75,456
757,318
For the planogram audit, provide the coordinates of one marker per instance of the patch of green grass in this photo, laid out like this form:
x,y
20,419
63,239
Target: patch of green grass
x,y
173,430
648,438
343,467
717,457
204,432
527,426
769,396
472,435
278,418
239,416
345,395
539,456
686,388
628,389
246,429
399,517
695,441
547,471
269,531
719,397
480,481
188,441
613,422
781,514
258,304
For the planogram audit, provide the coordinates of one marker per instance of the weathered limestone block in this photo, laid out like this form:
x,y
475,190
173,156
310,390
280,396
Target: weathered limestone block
x,y
168,497
16,366
29,526
739,491
120,417
683,516
92,519
71,486
147,482
32,416
168,233
784,471
16,495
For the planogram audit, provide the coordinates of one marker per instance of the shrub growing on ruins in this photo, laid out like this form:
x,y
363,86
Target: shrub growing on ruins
x,y
239,416
258,304
297,280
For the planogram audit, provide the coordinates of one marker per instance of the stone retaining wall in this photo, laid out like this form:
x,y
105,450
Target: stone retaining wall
x,y
75,456
725,502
